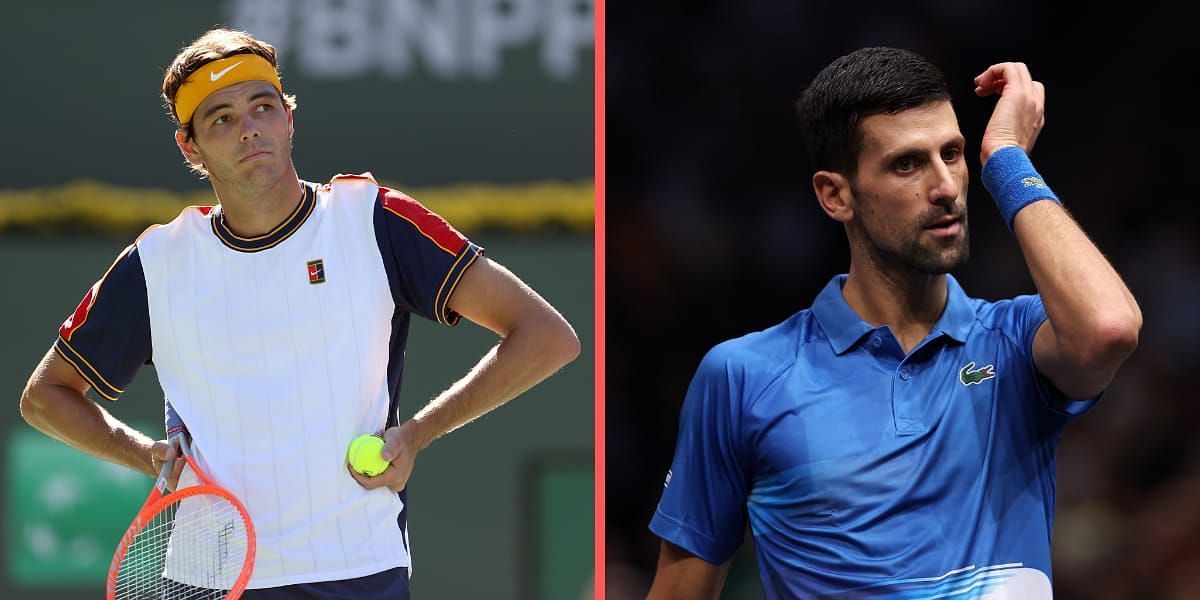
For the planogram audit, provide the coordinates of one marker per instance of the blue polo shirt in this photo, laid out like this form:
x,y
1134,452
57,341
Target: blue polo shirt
x,y
866,472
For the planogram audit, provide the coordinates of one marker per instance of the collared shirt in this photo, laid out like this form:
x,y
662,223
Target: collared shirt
x,y
867,472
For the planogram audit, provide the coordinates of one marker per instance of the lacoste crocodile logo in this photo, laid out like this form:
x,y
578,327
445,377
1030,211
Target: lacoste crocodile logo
x,y
971,377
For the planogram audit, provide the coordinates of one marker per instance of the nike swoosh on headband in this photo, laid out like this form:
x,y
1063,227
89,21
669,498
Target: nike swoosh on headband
x,y
215,75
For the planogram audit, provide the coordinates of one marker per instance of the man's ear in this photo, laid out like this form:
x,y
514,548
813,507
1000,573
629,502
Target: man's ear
x,y
834,194
188,148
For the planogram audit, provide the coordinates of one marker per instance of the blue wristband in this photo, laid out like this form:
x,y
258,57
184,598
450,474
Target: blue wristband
x,y
1013,183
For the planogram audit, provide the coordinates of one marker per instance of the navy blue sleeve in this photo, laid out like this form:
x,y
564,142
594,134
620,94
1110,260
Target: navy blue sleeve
x,y
173,421
107,338
423,255
1028,313
703,505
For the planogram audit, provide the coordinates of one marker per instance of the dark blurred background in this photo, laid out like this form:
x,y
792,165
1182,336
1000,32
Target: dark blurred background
x,y
713,231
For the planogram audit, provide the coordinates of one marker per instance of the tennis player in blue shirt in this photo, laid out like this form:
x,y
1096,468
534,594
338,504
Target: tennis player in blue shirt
x,y
897,439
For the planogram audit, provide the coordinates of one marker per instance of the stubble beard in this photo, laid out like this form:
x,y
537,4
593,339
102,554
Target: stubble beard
x,y
260,178
933,258
912,251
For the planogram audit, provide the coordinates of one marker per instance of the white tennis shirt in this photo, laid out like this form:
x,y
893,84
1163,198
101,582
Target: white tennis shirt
x,y
275,352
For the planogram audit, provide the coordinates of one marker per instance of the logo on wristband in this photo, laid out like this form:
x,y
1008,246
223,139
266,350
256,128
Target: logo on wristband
x,y
1033,182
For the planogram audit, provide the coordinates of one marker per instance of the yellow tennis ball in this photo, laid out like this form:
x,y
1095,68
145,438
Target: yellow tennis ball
x,y
364,455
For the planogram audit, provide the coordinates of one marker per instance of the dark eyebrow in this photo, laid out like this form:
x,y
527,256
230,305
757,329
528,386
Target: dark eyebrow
x,y
213,109
262,94
891,157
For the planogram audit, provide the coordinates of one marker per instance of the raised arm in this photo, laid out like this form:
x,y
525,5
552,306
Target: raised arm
x,y
1093,319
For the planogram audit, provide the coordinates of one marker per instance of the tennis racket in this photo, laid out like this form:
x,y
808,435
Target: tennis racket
x,y
196,543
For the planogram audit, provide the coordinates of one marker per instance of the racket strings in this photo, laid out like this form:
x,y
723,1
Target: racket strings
x,y
193,549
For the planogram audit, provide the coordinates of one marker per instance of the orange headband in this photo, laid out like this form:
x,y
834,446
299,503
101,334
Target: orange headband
x,y
219,74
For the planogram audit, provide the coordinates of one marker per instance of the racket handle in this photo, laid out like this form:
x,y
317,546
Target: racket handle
x,y
181,441
164,474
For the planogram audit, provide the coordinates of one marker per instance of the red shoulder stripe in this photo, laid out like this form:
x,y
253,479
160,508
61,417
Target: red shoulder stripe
x,y
428,223
79,317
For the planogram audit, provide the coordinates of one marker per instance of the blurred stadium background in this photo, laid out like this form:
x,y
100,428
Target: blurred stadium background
x,y
713,231
480,109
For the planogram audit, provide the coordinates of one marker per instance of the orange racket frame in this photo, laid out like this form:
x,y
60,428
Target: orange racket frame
x,y
156,501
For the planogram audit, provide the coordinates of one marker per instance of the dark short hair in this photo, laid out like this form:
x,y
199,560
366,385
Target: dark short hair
x,y
215,44
866,82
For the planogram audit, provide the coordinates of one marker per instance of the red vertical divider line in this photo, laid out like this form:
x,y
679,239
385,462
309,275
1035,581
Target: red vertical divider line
x,y
598,445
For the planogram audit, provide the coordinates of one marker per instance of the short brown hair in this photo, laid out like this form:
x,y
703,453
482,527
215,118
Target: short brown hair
x,y
213,45
866,82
